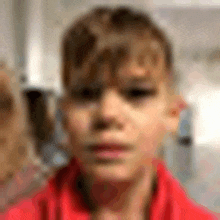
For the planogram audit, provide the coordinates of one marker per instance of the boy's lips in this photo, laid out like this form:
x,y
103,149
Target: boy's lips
x,y
109,150
109,146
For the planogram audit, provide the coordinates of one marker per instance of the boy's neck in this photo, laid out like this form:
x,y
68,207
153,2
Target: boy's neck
x,y
121,200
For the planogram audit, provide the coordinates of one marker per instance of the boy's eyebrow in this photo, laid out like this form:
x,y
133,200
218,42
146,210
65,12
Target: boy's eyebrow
x,y
134,80
124,81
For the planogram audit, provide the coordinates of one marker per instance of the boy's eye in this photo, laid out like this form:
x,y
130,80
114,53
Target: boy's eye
x,y
86,94
138,93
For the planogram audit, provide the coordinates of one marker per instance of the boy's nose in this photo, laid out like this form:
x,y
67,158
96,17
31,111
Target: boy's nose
x,y
109,112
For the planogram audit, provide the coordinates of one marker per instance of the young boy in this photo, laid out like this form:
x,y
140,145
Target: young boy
x,y
119,103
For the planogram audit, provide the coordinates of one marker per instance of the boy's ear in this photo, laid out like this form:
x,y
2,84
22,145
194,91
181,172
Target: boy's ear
x,y
173,114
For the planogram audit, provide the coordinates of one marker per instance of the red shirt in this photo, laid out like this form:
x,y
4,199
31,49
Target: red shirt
x,y
62,200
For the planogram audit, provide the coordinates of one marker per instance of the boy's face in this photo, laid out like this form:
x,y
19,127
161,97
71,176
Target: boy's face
x,y
117,125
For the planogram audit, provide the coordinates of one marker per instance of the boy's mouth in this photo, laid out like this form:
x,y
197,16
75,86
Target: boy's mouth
x,y
109,151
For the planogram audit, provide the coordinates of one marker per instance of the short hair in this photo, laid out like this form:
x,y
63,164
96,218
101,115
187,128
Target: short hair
x,y
104,34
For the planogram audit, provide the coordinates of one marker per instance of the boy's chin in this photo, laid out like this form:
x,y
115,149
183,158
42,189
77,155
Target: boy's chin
x,y
113,173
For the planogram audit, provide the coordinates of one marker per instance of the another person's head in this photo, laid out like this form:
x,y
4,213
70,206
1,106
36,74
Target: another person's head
x,y
18,143
14,136
118,82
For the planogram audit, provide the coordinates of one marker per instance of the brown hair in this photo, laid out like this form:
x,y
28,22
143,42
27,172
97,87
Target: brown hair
x,y
106,34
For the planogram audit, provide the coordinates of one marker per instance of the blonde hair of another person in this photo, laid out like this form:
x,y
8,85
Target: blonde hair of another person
x,y
17,144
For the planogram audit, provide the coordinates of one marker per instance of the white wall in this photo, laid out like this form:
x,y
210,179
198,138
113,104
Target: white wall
x,y
35,43
7,43
186,3
203,96
207,119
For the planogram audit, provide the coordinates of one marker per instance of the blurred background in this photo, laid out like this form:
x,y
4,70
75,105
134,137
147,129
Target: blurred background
x,y
30,34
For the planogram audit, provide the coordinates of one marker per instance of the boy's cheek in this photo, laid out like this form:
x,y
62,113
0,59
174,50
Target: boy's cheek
x,y
78,121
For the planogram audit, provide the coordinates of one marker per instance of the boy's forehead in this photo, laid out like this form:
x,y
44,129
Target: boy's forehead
x,y
133,70
145,62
